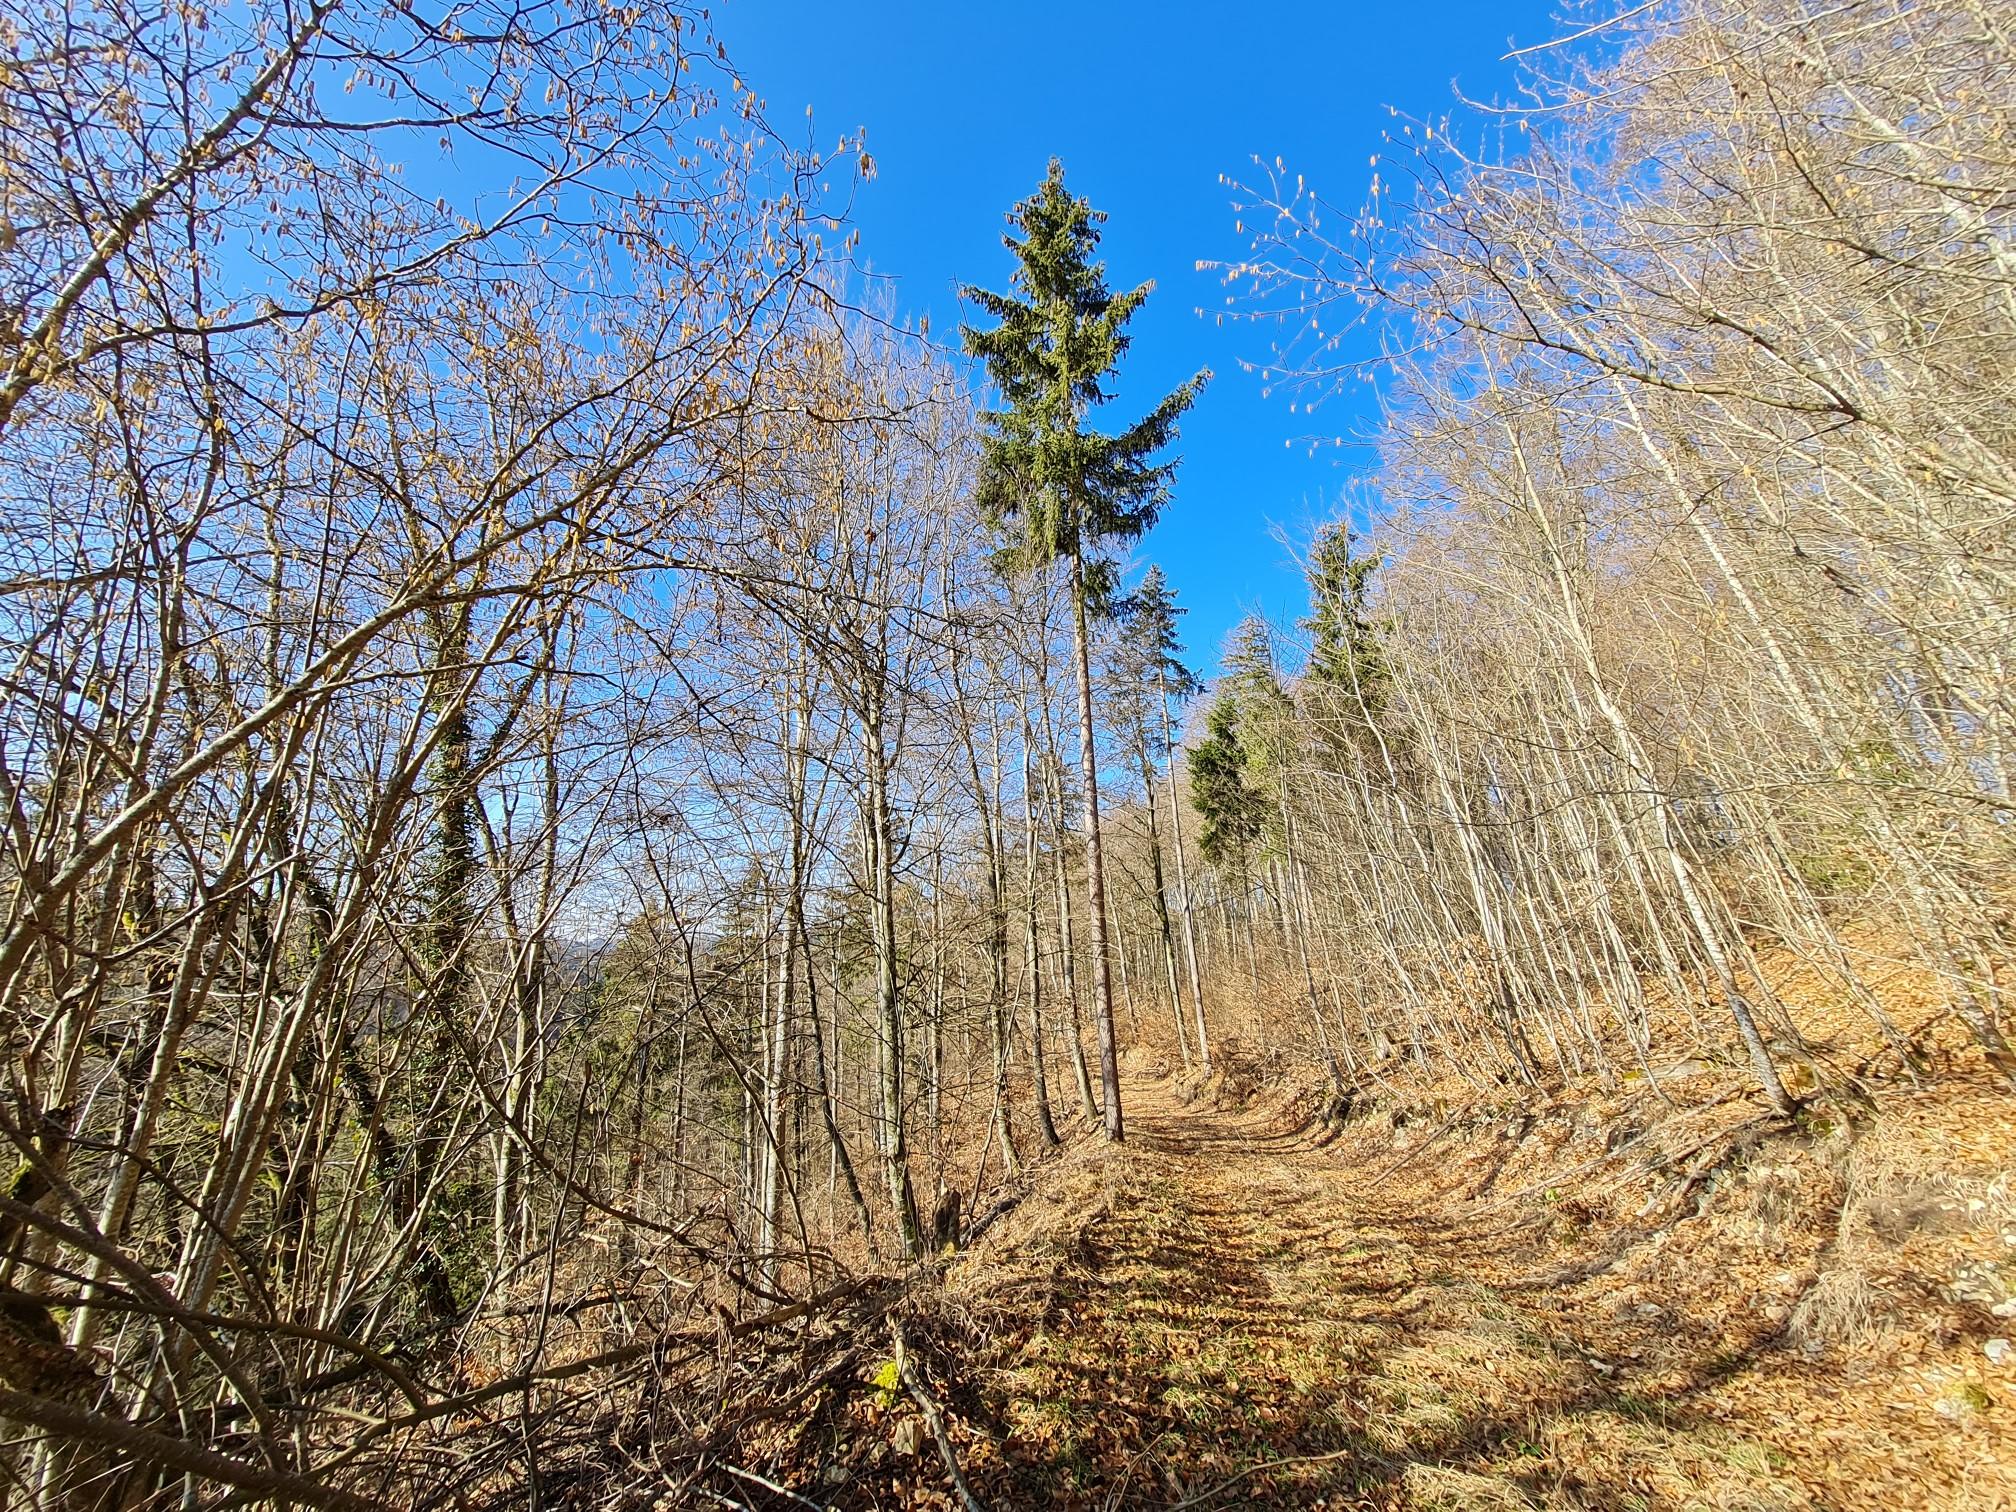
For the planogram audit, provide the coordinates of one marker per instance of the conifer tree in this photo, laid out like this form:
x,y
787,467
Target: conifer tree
x,y
1149,672
1233,811
1068,491
1154,650
1344,647
1267,713
1236,771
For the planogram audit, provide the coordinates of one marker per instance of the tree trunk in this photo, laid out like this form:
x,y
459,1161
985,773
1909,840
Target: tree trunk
x,y
1183,896
888,1004
1095,860
1032,948
1160,897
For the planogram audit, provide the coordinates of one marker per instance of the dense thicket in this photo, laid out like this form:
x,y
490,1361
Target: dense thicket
x,y
531,809
1692,633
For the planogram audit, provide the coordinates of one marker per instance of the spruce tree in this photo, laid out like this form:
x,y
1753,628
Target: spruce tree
x,y
1344,649
1266,711
1236,767
1148,671
1233,811
1068,491
1154,650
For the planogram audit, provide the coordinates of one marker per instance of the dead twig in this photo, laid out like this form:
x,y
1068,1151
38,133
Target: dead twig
x,y
1420,1149
933,1419
769,1485
1226,1485
143,1447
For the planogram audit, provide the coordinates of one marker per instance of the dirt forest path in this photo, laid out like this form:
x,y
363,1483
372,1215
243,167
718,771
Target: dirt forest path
x,y
1232,1313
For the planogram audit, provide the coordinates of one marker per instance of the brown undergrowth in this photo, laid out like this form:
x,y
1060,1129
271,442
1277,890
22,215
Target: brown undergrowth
x,y
1583,1300
1639,1291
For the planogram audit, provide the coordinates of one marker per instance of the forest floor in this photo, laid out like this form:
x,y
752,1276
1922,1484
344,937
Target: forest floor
x,y
1639,1292
1250,1307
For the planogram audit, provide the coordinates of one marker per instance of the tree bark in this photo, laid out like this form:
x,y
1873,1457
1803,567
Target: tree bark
x,y
1095,861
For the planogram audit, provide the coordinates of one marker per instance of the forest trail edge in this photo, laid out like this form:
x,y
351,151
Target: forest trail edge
x,y
1232,1310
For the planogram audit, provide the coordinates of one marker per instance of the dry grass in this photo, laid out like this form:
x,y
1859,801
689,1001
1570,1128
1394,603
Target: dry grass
x,y
1435,1488
1650,1307
1842,1310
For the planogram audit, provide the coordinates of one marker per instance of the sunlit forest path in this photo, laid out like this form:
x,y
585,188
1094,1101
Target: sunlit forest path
x,y
1236,1311
1211,1315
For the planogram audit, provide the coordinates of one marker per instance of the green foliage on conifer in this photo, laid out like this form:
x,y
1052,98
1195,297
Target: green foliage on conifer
x,y
1232,810
1345,646
1147,661
1066,487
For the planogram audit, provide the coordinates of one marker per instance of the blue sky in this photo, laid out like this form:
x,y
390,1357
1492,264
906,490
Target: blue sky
x,y
1147,104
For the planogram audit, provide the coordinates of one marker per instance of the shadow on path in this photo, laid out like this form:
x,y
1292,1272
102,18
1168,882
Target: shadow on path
x,y
1238,1323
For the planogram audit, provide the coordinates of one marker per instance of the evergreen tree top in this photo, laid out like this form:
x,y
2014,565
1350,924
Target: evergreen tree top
x,y
1150,613
1233,810
1345,650
1059,337
1250,663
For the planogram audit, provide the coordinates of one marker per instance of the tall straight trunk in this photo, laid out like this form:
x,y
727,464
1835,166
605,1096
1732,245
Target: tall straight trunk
x,y
829,1107
991,820
1159,894
1183,903
1290,872
510,1214
678,1115
1277,894
1067,962
1247,910
891,1135
1095,859
746,1138
776,1050
1508,994
797,762
934,1025
1067,943
987,798
1306,896
1032,948
1126,982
